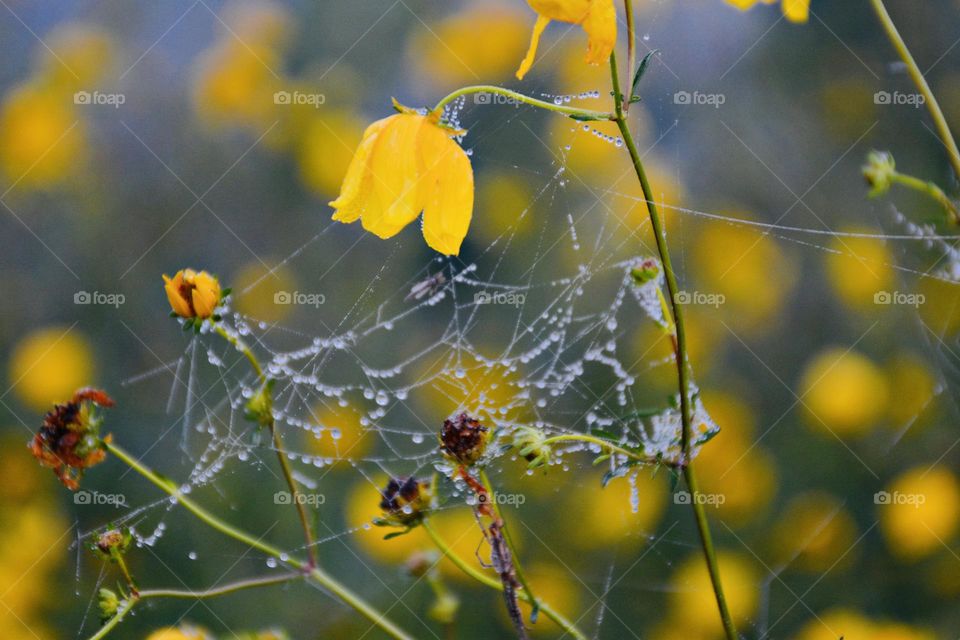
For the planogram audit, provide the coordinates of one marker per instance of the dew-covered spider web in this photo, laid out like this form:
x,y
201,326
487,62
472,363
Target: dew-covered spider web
x,y
535,327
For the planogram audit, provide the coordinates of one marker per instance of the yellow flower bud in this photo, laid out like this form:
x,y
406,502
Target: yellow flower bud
x,y
879,171
193,294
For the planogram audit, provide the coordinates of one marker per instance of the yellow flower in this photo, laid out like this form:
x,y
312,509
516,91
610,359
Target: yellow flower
x,y
408,163
844,392
343,436
815,533
692,599
597,17
794,10
919,511
180,633
192,294
48,365
859,270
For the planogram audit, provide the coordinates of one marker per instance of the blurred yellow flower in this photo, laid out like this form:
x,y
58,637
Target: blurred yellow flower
x,y
920,511
76,56
852,625
815,533
598,18
748,269
793,10
843,392
42,136
732,465
235,85
183,632
915,387
860,270
325,145
449,53
256,290
192,294
48,365
605,517
258,23
405,164
507,205
555,585
692,599
362,506
342,436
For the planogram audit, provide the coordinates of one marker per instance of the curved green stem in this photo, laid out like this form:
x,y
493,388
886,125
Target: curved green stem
x,y
479,576
682,357
117,618
315,573
222,590
582,437
921,83
930,189
277,445
572,112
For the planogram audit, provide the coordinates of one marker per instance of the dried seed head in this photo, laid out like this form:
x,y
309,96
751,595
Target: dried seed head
x,y
69,440
463,439
404,502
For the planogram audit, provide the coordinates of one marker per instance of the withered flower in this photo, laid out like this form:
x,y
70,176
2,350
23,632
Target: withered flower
x,y
69,440
463,439
404,502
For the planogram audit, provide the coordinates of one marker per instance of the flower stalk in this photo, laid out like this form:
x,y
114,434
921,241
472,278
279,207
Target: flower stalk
x,y
311,571
570,112
943,129
680,350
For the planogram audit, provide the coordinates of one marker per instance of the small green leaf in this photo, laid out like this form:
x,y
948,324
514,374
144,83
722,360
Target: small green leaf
x,y
641,69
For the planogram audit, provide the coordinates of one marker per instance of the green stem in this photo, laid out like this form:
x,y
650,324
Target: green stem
x,y
681,353
521,577
921,83
314,572
479,576
278,447
213,592
930,189
631,47
581,437
573,112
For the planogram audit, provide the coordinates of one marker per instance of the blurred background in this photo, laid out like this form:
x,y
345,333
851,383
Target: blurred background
x,y
140,138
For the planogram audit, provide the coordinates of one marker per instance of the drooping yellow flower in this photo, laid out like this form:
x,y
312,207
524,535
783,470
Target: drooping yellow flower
x,y
408,163
597,17
192,294
794,10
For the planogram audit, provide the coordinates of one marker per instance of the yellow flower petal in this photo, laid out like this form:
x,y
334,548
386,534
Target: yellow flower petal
x,y
601,27
448,185
527,62
356,184
206,294
177,302
796,10
395,176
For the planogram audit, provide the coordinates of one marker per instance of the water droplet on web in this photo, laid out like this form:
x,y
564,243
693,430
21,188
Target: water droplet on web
x,y
272,563
192,555
417,438
284,557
